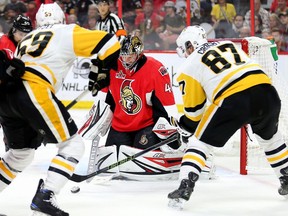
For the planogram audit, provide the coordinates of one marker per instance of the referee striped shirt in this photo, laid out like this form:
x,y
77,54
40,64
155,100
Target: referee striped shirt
x,y
112,24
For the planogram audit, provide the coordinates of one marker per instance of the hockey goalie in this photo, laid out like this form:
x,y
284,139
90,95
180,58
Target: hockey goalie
x,y
139,103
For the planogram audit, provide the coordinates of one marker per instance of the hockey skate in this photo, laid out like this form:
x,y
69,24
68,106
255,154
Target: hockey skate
x,y
283,190
44,201
178,197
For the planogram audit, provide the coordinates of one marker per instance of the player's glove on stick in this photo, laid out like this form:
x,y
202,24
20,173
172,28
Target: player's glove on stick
x,y
184,134
16,68
98,77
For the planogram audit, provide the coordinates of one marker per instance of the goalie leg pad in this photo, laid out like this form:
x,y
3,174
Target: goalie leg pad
x,y
107,156
92,157
97,122
153,166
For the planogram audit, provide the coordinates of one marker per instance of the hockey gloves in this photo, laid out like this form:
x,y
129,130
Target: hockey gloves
x,y
98,77
184,134
15,67
180,127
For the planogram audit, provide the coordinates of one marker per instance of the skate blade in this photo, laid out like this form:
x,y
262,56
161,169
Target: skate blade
x,y
177,204
37,213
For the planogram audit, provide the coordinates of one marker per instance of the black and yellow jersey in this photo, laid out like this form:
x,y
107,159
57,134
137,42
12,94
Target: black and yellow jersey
x,y
213,72
49,52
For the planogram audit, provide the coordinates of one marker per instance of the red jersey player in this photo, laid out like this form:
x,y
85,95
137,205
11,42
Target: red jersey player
x,y
139,93
22,25
140,97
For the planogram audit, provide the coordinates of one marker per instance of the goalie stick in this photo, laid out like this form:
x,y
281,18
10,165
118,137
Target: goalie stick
x,y
79,178
77,99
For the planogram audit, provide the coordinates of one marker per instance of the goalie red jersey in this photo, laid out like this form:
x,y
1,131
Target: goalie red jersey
x,y
140,95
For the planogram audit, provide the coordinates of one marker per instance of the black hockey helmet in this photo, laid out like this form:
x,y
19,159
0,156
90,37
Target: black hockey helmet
x,y
104,1
131,45
23,24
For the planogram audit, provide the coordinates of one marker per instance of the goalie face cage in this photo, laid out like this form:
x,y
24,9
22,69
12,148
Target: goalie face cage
x,y
252,156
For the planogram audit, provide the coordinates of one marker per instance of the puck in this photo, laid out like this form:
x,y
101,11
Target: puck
x,y
75,189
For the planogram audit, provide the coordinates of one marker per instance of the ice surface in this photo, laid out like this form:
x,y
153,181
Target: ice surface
x,y
230,194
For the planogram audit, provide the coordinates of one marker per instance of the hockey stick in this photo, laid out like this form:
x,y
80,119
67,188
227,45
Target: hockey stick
x,y
79,178
77,99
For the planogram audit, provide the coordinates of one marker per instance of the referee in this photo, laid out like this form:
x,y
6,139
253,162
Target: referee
x,y
109,21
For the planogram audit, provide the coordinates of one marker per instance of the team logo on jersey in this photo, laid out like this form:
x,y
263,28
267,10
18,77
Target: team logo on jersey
x,y
130,102
120,75
143,140
163,71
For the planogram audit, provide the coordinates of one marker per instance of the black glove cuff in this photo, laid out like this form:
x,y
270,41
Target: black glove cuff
x,y
188,124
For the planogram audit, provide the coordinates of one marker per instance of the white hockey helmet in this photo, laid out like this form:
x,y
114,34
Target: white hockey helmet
x,y
50,14
190,36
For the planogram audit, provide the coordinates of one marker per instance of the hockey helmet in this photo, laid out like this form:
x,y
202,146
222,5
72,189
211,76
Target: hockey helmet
x,y
190,36
103,1
23,24
131,45
50,14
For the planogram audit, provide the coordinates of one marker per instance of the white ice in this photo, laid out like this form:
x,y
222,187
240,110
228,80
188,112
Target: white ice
x,y
230,194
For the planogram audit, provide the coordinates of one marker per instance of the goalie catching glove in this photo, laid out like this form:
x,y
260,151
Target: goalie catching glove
x,y
15,68
164,129
98,77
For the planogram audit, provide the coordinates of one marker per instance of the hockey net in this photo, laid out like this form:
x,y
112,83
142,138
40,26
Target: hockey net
x,y
243,142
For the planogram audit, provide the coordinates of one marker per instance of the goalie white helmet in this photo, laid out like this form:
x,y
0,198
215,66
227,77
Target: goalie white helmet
x,y
49,14
190,36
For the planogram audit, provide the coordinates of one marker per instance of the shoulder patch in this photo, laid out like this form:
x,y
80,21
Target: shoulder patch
x,y
163,71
